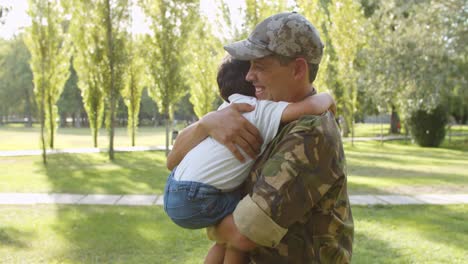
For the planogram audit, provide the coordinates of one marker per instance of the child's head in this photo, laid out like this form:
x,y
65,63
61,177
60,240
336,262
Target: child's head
x,y
231,78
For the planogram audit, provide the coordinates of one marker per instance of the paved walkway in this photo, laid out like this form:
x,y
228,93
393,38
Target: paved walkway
x,y
148,200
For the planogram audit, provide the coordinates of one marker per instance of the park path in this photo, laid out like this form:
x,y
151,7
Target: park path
x,y
151,200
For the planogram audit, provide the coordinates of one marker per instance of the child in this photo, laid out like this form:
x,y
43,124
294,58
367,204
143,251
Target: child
x,y
203,188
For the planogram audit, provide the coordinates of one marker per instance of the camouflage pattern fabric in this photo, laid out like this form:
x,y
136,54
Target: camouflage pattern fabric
x,y
287,34
300,183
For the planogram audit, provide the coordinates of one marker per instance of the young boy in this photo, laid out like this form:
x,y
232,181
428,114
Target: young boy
x,y
203,188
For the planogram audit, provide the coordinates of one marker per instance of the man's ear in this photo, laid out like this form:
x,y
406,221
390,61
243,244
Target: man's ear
x,y
300,68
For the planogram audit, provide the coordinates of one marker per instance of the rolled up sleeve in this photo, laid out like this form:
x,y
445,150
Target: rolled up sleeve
x,y
254,223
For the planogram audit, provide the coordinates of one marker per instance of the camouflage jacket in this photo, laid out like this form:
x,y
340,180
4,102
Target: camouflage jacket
x,y
297,208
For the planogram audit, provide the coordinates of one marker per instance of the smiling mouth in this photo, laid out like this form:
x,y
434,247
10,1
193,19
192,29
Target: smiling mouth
x,y
259,91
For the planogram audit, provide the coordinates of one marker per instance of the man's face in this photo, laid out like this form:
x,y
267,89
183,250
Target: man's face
x,y
272,81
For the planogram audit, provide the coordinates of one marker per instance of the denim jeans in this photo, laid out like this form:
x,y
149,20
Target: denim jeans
x,y
197,205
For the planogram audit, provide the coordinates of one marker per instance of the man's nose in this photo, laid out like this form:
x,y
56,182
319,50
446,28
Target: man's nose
x,y
250,76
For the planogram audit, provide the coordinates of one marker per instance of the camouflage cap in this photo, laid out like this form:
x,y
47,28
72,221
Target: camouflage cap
x,y
288,34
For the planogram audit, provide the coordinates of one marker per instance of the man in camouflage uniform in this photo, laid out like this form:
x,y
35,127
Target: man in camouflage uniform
x,y
297,208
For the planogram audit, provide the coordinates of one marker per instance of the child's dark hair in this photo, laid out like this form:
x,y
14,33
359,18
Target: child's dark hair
x,y
231,78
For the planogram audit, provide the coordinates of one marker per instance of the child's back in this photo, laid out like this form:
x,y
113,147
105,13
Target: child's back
x,y
212,163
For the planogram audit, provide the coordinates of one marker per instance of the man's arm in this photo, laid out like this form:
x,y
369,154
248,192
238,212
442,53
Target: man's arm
x,y
312,105
226,126
288,185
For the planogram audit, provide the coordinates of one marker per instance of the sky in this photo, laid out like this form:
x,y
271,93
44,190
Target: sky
x,y
17,18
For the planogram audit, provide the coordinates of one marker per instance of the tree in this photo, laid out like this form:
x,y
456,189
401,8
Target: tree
x,y
207,53
71,102
341,25
100,36
171,22
87,34
134,84
50,59
115,15
416,54
16,87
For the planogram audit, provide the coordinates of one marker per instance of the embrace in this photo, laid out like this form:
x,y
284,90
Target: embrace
x,y
266,173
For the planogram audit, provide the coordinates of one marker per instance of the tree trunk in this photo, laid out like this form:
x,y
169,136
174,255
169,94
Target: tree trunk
x,y
95,132
27,109
395,125
51,123
112,92
167,132
42,114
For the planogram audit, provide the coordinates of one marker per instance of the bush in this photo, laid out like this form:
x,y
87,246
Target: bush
x,y
428,129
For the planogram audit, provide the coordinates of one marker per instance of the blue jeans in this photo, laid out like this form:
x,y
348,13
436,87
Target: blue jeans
x,y
196,205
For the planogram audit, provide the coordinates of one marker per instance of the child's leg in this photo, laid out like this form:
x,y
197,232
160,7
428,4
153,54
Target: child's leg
x,y
215,254
235,256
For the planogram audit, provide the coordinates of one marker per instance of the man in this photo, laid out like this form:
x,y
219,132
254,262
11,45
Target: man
x,y
296,209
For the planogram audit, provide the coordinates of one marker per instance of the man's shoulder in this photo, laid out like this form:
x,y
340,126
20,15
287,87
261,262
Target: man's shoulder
x,y
317,124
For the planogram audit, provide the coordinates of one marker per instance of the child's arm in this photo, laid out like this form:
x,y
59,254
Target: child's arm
x,y
312,105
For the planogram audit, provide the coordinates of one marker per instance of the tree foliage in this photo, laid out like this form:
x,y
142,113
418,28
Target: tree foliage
x,y
415,58
16,87
206,53
134,84
89,60
50,58
171,23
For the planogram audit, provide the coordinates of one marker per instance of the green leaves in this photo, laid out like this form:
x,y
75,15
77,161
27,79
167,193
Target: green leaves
x,y
50,57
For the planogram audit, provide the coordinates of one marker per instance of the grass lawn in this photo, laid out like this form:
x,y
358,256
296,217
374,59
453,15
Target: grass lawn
x,y
395,167
21,138
129,173
104,234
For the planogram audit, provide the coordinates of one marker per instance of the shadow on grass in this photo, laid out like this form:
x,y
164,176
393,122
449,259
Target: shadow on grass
x,y
127,235
129,173
11,237
372,250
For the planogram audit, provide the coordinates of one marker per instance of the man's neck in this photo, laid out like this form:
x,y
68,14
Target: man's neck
x,y
302,93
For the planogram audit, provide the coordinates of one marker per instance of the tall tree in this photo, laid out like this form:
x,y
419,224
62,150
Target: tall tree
x,y
50,57
171,22
416,54
89,59
115,15
103,36
134,84
341,24
71,102
206,51
16,87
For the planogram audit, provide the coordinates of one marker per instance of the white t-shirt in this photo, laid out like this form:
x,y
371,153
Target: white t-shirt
x,y
212,163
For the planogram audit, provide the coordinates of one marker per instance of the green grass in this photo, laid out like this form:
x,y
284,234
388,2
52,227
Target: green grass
x,y
20,138
129,173
395,167
104,234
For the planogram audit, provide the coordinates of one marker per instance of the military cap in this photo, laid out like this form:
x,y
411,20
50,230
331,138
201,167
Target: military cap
x,y
288,34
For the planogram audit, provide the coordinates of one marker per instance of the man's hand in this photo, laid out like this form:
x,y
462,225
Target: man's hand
x,y
231,129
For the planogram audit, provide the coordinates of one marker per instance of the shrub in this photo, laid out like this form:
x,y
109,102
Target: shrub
x,y
428,129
